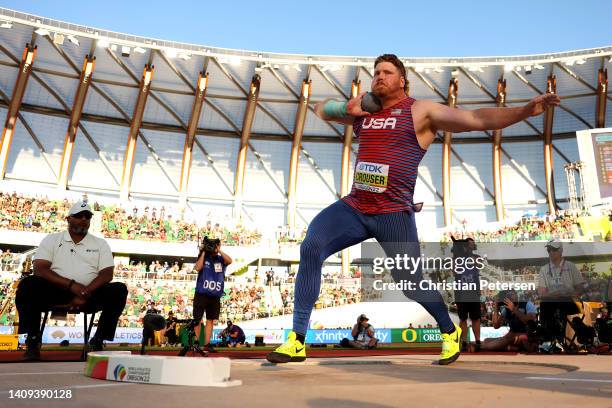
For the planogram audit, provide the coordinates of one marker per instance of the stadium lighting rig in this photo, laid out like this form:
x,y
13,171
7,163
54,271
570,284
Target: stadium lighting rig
x,y
42,32
6,24
170,53
73,40
58,39
475,68
103,43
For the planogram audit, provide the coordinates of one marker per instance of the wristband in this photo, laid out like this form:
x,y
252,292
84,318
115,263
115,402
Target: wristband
x,y
335,109
70,284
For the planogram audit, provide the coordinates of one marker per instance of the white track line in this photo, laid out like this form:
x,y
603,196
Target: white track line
x,y
42,373
569,379
68,387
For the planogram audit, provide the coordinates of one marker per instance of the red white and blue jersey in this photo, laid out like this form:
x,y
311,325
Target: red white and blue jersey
x,y
387,162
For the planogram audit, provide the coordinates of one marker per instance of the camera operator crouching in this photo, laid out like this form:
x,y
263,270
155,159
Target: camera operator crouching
x,y
363,335
519,316
211,265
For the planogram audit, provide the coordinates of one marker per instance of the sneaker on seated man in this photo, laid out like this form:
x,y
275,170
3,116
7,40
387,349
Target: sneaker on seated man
x,y
72,268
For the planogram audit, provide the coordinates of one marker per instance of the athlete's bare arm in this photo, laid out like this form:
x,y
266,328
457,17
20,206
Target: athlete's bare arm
x,y
353,110
430,117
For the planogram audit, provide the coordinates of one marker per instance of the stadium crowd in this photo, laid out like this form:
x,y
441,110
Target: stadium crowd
x,y
155,270
41,214
564,225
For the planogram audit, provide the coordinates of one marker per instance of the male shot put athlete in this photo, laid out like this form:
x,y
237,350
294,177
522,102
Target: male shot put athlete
x,y
392,143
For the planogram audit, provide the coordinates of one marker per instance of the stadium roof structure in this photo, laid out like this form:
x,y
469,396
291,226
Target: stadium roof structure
x,y
87,80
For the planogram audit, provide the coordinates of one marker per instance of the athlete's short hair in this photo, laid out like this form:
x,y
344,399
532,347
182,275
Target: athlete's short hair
x,y
392,58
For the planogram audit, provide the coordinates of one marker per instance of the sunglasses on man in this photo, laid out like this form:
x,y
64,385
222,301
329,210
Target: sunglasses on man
x,y
82,215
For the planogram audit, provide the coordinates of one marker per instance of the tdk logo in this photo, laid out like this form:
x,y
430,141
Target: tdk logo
x,y
379,123
371,168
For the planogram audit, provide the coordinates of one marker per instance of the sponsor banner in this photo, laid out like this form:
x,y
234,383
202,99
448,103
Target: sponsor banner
x,y
277,336
328,336
415,335
335,336
433,335
75,335
8,342
488,333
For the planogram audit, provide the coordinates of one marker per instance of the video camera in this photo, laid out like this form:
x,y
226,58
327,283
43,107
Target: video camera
x,y
208,245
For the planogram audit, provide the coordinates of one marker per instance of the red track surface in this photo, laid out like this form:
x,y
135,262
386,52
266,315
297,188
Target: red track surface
x,y
74,355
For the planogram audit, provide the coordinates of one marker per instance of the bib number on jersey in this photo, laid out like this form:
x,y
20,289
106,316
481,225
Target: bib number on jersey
x,y
371,177
211,285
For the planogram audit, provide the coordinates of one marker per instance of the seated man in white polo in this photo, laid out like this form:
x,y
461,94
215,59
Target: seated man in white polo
x,y
71,268
559,277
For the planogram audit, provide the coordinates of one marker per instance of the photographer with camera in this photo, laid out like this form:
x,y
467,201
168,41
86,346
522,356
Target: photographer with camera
x,y
363,335
518,315
233,335
211,265
170,330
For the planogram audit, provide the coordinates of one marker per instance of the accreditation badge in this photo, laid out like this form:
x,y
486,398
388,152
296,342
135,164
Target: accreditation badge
x,y
218,267
371,177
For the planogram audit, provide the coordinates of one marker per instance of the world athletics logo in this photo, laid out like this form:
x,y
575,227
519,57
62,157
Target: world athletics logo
x,y
120,372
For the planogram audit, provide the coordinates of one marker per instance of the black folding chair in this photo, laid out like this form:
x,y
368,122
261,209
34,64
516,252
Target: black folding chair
x,y
63,310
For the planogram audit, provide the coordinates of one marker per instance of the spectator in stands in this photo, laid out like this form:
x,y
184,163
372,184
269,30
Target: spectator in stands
x,y
75,268
269,277
363,335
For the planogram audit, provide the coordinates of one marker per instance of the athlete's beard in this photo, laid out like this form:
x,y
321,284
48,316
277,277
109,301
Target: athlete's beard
x,y
384,92
380,92
78,230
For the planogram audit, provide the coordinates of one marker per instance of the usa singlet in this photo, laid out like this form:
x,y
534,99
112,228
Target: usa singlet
x,y
387,162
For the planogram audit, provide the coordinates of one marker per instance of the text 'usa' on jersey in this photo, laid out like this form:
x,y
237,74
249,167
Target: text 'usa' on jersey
x,y
387,161
211,278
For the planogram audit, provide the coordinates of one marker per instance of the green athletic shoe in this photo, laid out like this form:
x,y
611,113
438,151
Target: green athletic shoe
x,y
291,351
450,347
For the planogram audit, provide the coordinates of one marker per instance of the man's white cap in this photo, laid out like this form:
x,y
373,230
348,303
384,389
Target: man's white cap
x,y
78,207
554,243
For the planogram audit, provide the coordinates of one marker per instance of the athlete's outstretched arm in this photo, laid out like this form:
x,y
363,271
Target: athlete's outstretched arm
x,y
342,112
441,117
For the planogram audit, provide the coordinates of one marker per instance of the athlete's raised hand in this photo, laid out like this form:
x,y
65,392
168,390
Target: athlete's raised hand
x,y
353,107
540,103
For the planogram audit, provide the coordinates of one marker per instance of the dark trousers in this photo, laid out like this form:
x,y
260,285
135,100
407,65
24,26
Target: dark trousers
x,y
340,226
36,295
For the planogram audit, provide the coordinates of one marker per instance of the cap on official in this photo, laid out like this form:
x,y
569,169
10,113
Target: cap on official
x,y
554,243
363,317
79,207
